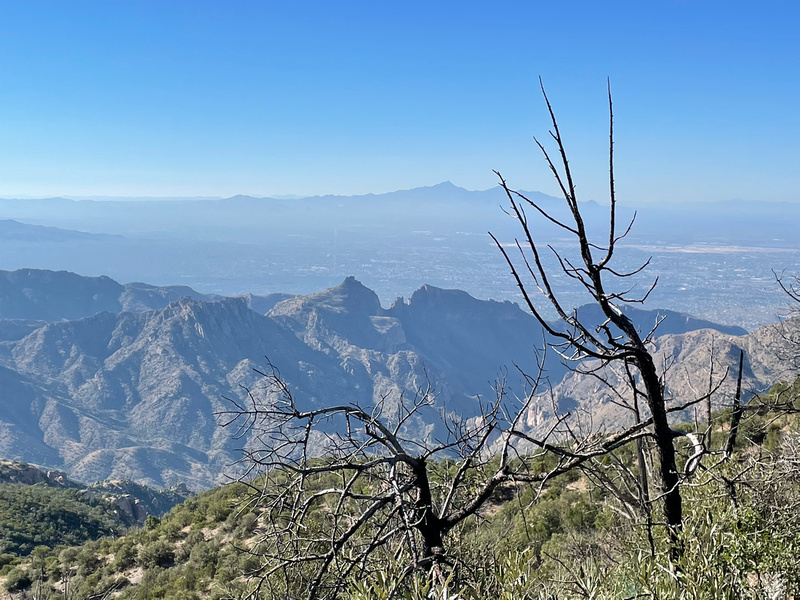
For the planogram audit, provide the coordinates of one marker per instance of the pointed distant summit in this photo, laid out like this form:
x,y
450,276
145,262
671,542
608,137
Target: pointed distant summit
x,y
350,280
446,185
447,190
349,297
334,319
355,295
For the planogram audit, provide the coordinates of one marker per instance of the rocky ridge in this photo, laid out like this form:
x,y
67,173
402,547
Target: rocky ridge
x,y
133,502
31,295
136,395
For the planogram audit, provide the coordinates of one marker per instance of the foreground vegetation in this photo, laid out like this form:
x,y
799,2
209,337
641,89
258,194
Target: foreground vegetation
x,y
573,537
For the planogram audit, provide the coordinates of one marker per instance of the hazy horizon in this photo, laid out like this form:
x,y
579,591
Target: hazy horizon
x,y
176,198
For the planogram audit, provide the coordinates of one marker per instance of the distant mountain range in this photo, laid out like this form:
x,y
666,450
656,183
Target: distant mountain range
x,y
116,381
445,205
714,260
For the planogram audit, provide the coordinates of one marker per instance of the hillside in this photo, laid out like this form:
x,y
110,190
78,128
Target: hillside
x,y
14,231
45,508
526,543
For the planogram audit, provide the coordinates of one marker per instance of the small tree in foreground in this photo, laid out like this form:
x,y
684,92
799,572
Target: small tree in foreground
x,y
616,340
346,490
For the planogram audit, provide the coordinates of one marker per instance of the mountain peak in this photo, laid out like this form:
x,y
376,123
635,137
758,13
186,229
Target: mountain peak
x,y
447,185
351,296
232,304
349,281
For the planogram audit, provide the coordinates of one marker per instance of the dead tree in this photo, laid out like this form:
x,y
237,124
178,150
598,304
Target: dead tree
x,y
345,490
788,329
616,340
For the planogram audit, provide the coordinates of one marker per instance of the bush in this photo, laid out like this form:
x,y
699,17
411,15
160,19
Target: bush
x,y
6,558
17,580
125,557
88,562
156,554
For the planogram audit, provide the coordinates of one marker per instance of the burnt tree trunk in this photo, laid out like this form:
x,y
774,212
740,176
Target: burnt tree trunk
x,y
668,470
429,526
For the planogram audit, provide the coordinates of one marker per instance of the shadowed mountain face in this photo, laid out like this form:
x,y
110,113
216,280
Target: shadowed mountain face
x,y
661,321
55,295
35,294
135,395
41,295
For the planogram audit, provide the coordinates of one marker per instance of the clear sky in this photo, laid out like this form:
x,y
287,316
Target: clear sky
x,y
296,97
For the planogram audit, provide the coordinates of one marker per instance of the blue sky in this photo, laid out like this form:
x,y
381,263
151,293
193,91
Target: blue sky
x,y
267,98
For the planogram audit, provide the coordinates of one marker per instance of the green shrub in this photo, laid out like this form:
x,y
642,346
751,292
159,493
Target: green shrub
x,y
156,554
17,580
125,556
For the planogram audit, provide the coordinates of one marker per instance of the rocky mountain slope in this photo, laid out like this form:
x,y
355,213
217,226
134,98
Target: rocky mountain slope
x,y
692,363
136,395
